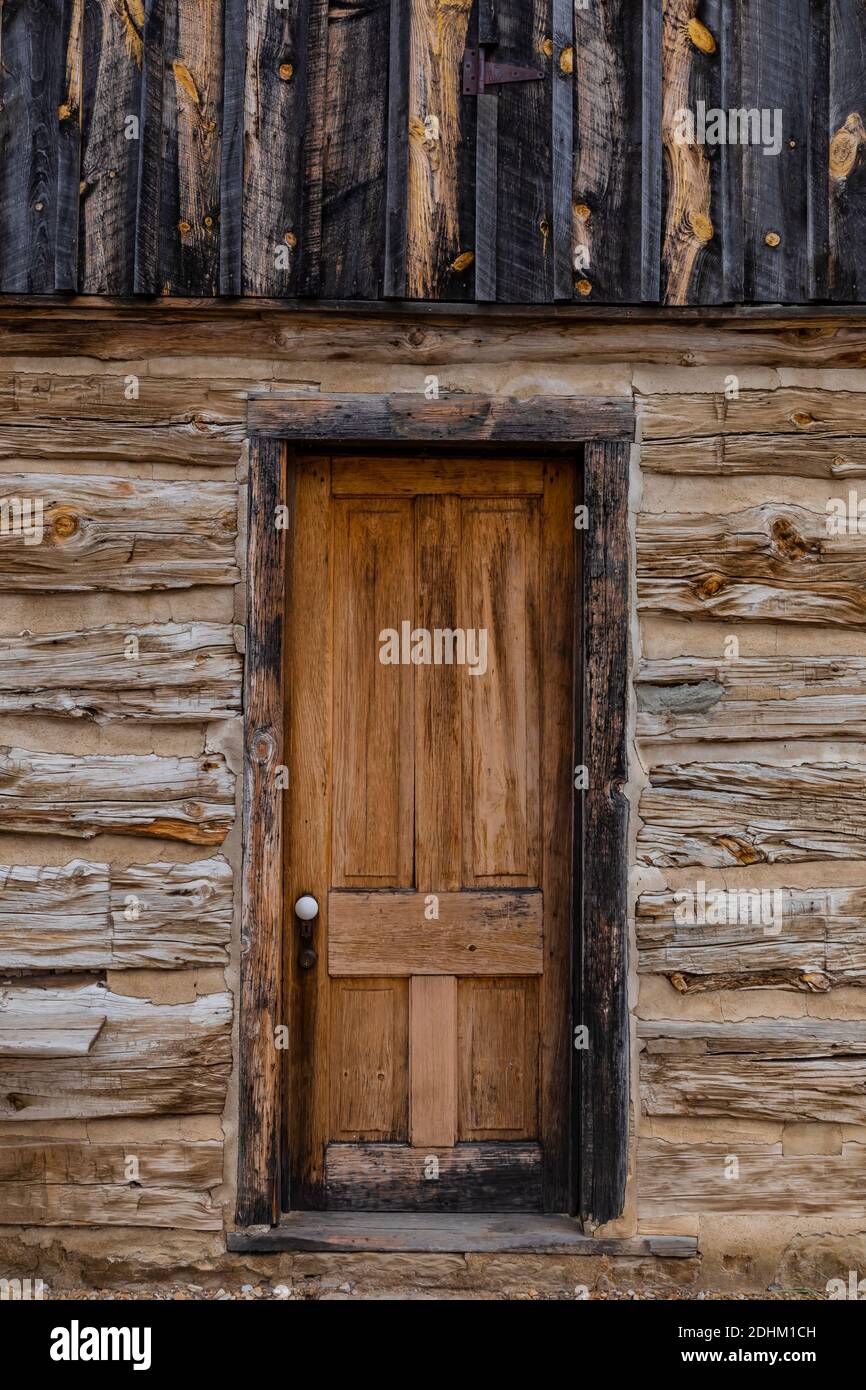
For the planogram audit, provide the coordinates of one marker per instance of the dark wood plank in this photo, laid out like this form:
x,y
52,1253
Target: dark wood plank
x,y
148,210
39,131
397,177
232,147
847,164
776,76
525,253
355,169
486,197
436,1233
602,1003
275,113
259,1122
607,122
469,1177
818,166
651,152
113,43
331,417
562,147
319,99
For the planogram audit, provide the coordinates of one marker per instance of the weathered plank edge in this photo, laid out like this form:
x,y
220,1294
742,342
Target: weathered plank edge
x,y
347,1232
397,177
601,1146
404,416
261,931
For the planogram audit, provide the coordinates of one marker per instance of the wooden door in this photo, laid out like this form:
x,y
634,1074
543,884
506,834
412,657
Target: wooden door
x,y
430,678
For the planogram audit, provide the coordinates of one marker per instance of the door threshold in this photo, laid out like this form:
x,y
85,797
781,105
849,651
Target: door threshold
x,y
344,1232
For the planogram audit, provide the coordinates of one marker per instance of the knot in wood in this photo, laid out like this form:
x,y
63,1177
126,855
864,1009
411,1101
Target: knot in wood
x,y
700,36
802,419
263,746
710,585
65,526
789,542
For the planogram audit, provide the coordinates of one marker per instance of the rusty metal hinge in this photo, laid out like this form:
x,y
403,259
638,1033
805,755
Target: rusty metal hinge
x,y
479,74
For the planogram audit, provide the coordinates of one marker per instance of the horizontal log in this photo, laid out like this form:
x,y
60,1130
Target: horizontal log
x,y
468,1177
120,397
419,334
676,1178
57,1205
190,799
175,672
196,1163
787,938
751,697
787,1069
84,916
838,457
767,563
85,442
330,417
718,814
149,1059
117,533
483,933
796,410
25,1032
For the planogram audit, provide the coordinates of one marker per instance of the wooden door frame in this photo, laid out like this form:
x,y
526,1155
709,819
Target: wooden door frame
x,y
603,427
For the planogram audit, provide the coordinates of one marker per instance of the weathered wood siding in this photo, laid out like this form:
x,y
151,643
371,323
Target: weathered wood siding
x,y
205,147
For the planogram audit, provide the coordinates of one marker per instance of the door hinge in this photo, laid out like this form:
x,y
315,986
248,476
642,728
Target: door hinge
x,y
479,74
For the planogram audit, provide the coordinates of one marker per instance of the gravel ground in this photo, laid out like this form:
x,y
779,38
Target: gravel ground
x,y
310,1291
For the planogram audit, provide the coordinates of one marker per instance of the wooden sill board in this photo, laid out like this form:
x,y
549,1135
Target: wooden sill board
x,y
399,1232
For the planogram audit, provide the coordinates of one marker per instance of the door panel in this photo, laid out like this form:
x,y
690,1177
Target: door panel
x,y
430,682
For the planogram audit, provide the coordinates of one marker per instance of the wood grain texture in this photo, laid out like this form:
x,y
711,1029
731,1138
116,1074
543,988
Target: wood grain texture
x,y
334,417
393,1232
847,153
187,1163
499,1075
190,799
149,1059
179,191
368,1065
40,116
468,1177
689,210
601,1075
112,64
486,933
173,672
354,171
718,813
440,245
97,1205
433,1052
777,75
26,1032
752,697
812,413
806,939
85,916
834,457
309,1077
526,250
608,56
262,908
788,1069
120,533
701,1178
772,562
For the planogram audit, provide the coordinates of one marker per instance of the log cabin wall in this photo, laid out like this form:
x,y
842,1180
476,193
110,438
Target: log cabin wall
x,y
121,753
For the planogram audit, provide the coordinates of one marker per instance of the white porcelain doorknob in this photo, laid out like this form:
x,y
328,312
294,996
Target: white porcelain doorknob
x,y
306,908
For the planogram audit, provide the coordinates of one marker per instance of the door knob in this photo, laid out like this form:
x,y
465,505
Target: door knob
x,y
306,908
